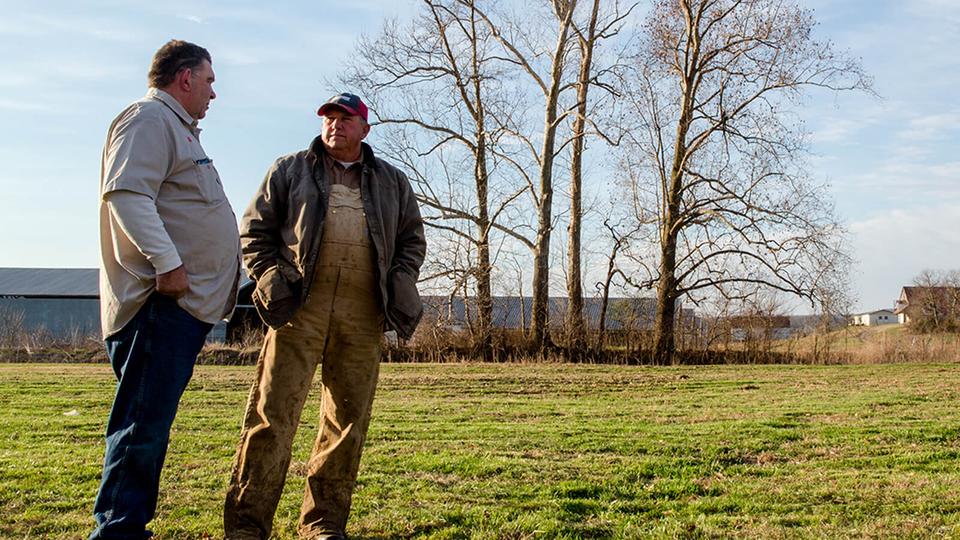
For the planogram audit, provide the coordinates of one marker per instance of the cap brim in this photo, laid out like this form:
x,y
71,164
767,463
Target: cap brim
x,y
328,106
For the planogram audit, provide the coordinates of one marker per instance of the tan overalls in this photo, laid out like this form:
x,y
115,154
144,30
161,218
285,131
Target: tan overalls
x,y
339,328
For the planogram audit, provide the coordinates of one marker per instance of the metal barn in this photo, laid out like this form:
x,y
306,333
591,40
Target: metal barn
x,y
63,302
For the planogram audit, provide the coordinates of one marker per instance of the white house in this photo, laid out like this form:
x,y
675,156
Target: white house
x,y
874,318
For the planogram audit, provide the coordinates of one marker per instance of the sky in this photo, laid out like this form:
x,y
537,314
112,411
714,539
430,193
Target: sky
x,y
67,68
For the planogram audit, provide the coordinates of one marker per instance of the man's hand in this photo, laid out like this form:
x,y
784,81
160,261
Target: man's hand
x,y
173,283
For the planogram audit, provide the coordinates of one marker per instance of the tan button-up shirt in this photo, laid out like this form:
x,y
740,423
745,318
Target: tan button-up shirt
x,y
153,150
340,173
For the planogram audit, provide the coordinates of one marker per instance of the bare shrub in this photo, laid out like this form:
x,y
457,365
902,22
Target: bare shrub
x,y
11,326
19,343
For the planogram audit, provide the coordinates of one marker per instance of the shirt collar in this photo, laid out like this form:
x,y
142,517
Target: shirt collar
x,y
366,152
328,159
175,106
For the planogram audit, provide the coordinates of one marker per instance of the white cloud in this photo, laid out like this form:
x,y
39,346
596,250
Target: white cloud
x,y
897,179
236,57
892,152
19,105
912,152
15,79
931,127
936,11
844,117
192,18
834,130
29,25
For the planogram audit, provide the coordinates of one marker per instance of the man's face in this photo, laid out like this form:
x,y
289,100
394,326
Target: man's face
x,y
201,90
342,133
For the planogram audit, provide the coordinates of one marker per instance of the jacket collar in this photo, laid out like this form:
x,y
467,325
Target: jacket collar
x,y
175,106
366,152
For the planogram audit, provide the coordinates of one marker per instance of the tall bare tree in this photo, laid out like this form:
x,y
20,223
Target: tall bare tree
x,y
600,25
585,42
437,83
720,153
521,50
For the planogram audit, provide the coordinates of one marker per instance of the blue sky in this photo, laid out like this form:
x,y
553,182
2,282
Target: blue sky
x,y
894,161
69,67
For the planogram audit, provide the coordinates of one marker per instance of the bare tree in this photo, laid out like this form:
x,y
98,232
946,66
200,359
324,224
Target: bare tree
x,y
470,62
522,49
437,82
598,27
619,240
720,154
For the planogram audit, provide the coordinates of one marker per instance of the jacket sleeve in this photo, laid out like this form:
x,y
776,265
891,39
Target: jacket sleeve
x,y
410,247
260,239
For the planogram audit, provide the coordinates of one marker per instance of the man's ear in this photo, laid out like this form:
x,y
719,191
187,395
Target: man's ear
x,y
185,80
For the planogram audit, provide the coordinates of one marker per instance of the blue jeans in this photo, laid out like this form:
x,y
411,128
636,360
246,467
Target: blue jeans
x,y
153,358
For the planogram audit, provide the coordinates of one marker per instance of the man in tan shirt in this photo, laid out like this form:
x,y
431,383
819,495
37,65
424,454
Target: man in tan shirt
x,y
169,271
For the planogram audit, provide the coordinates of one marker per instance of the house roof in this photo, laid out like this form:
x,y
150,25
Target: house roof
x,y
939,295
50,282
875,312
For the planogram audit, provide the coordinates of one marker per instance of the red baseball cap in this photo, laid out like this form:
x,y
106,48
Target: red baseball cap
x,y
348,102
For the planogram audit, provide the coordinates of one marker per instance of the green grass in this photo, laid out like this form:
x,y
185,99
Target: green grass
x,y
538,451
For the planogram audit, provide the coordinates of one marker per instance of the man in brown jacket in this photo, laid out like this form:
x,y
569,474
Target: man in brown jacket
x,y
335,241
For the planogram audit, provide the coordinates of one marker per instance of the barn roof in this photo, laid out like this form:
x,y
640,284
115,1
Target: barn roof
x,y
514,312
874,312
50,282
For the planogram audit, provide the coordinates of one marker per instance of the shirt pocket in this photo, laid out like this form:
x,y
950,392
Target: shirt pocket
x,y
208,181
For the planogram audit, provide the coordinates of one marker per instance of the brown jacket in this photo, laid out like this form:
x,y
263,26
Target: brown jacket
x,y
281,229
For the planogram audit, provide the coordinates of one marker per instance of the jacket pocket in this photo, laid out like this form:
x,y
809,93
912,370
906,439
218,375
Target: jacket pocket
x,y
272,287
405,307
275,298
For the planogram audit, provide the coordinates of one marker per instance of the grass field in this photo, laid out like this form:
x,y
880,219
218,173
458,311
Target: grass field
x,y
538,451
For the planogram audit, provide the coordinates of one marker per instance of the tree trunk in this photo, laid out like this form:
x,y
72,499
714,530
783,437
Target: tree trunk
x,y
540,316
484,298
664,345
575,326
482,181
604,301
664,339
539,327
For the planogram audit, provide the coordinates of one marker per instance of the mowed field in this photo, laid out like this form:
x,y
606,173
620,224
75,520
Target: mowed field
x,y
538,451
